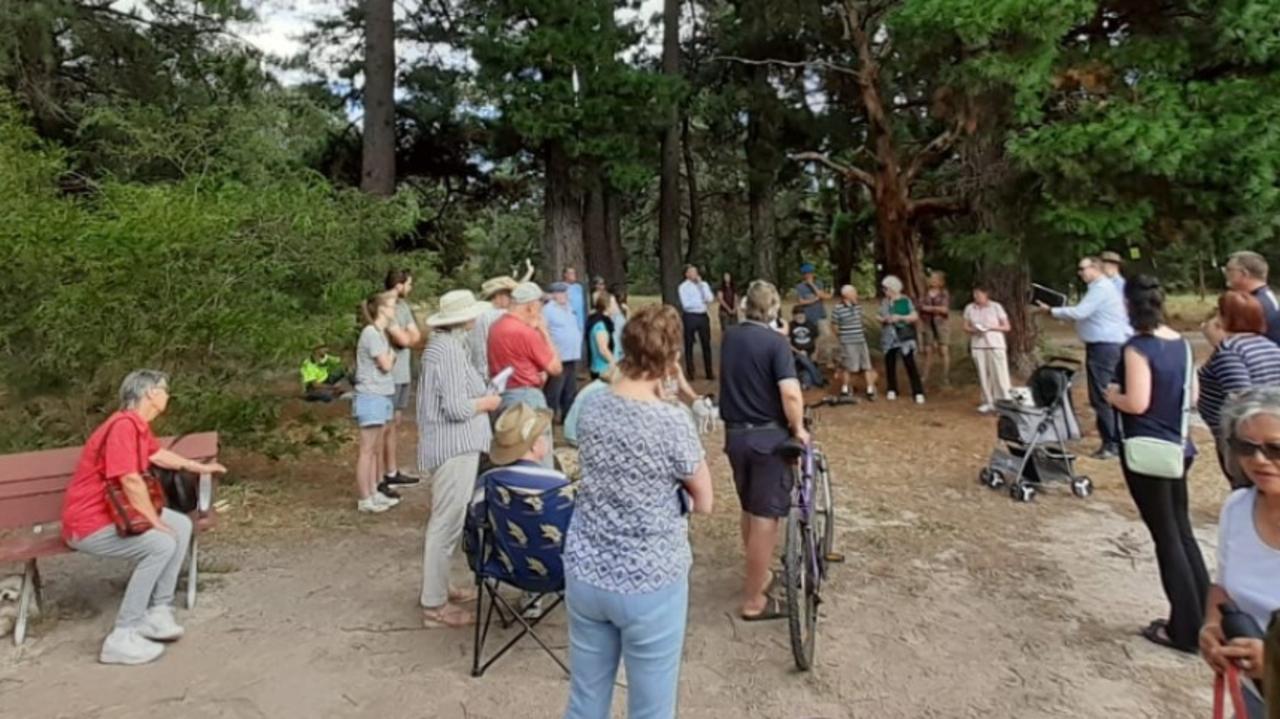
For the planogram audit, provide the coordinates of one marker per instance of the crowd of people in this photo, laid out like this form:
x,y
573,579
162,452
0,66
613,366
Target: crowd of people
x,y
499,371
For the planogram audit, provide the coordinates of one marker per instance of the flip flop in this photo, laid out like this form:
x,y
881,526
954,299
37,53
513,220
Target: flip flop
x,y
773,609
442,618
1157,632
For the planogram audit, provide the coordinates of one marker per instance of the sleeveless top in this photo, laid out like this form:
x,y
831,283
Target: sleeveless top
x,y
1163,418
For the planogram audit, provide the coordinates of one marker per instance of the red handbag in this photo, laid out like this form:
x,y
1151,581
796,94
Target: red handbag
x,y
1229,683
128,520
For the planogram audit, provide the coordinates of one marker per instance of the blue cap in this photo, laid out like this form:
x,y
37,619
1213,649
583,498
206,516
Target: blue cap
x,y
806,268
559,287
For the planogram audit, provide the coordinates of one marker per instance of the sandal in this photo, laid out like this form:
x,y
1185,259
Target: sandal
x,y
447,617
773,609
462,596
1157,632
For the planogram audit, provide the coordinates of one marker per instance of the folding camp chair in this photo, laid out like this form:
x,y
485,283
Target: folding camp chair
x,y
514,537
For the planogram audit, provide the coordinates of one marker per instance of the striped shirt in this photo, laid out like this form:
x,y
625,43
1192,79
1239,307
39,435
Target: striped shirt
x,y
847,319
1240,362
448,425
480,340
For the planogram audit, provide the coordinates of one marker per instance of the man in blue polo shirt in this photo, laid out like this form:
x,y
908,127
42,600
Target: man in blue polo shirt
x,y
566,335
762,407
1103,325
1247,272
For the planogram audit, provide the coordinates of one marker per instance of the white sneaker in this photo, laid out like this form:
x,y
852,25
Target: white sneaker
x,y
369,505
128,646
919,399
891,396
159,625
985,409
384,500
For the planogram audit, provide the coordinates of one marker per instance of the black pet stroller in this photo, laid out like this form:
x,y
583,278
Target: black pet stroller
x,y
1031,449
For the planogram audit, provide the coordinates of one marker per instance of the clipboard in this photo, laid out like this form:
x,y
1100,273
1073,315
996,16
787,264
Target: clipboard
x,y
1047,295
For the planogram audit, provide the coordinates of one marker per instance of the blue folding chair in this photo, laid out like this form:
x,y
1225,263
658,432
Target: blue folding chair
x,y
514,536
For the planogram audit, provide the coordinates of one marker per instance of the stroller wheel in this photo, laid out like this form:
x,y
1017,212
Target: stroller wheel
x,y
995,480
1082,487
1022,492
984,476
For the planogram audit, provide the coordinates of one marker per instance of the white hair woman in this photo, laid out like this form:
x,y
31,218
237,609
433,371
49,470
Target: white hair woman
x,y
898,338
1248,535
121,450
453,429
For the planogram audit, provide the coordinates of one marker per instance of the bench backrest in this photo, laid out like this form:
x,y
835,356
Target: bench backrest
x,y
32,483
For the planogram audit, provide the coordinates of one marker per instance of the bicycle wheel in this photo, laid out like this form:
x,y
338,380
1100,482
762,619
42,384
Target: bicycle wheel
x,y
824,510
802,614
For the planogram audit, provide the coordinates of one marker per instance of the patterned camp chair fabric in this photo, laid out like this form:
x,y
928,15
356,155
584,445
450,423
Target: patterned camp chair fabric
x,y
516,535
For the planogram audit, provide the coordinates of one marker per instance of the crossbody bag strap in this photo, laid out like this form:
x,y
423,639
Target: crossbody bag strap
x,y
1186,391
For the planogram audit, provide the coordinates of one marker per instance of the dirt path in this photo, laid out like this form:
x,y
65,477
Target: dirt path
x,y
955,602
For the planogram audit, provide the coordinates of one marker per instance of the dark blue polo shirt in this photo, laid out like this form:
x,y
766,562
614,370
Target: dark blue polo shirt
x,y
753,360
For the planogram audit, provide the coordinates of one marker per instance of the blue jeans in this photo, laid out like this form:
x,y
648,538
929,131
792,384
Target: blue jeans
x,y
644,630
810,375
1100,360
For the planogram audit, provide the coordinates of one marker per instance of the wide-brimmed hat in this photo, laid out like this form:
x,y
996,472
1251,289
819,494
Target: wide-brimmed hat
x,y
457,307
493,286
1112,257
516,431
526,292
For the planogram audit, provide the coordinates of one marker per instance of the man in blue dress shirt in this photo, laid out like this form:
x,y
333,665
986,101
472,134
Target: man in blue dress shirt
x,y
696,299
566,335
1103,325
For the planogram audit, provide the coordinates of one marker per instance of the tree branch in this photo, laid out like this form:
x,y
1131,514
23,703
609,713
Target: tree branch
x,y
850,172
936,206
933,152
789,63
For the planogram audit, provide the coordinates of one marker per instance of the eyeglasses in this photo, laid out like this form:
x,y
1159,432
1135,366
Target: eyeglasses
x,y
1245,449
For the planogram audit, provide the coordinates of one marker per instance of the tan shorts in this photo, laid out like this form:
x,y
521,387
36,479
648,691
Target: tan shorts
x,y
935,331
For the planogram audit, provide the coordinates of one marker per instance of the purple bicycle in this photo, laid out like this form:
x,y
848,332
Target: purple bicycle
x,y
808,545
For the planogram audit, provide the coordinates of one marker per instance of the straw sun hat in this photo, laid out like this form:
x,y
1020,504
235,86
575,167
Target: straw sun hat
x,y
456,308
516,431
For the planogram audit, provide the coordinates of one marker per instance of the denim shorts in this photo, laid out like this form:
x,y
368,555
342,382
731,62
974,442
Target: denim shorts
x,y
371,410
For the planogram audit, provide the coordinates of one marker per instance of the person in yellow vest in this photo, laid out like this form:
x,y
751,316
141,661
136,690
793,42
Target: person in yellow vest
x,y
321,373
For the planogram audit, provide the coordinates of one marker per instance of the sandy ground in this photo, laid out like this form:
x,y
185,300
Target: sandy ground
x,y
954,602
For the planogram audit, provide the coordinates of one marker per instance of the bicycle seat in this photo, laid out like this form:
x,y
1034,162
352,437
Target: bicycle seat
x,y
790,450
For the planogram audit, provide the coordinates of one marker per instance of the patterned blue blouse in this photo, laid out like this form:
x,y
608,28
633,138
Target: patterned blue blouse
x,y
627,534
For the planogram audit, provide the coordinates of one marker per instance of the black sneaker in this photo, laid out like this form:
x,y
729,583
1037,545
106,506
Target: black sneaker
x,y
871,396
400,479
385,487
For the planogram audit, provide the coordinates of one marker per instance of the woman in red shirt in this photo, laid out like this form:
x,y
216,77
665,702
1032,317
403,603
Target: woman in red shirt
x,y
122,448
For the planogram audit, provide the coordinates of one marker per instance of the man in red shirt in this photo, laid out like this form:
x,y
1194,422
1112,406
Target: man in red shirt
x,y
122,449
521,341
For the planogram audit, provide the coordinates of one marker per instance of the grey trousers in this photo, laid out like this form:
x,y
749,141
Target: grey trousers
x,y
452,486
159,559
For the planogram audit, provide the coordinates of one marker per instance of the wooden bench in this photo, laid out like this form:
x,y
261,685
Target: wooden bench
x,y
32,485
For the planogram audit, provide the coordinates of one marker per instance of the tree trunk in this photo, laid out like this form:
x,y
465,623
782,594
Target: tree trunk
x,y
562,211
902,256
378,170
669,202
762,168
695,204
844,239
602,231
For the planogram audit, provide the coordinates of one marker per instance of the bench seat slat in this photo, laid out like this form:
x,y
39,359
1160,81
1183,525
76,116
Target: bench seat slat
x,y
35,546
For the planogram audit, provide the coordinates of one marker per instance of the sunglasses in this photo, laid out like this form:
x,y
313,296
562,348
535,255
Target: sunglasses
x,y
1244,449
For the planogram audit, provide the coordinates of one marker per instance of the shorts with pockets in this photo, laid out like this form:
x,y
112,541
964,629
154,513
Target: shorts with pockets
x,y
371,410
762,478
935,331
401,398
855,356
